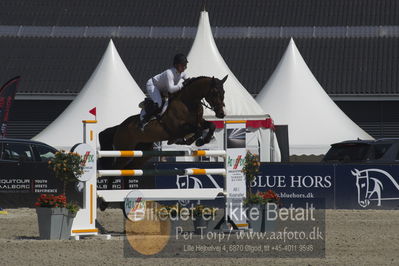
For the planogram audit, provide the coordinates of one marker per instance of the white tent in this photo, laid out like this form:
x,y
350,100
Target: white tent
x,y
111,89
294,97
205,60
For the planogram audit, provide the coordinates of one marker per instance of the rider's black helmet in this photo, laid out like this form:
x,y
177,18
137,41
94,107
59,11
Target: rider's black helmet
x,y
180,59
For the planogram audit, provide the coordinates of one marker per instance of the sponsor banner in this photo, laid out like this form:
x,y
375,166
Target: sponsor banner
x,y
235,160
126,182
18,177
7,94
22,182
367,186
235,144
295,182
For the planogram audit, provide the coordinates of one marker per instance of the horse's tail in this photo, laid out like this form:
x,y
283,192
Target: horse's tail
x,y
106,139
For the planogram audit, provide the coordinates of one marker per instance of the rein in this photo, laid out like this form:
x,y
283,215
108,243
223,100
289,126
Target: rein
x,y
203,102
189,82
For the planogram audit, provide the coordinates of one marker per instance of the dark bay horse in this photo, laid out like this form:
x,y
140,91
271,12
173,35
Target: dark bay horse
x,y
183,116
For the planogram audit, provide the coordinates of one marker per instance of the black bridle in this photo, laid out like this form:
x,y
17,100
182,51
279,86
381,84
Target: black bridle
x,y
203,102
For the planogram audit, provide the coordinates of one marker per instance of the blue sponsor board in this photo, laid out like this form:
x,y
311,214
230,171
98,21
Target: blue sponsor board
x,y
295,183
364,186
341,186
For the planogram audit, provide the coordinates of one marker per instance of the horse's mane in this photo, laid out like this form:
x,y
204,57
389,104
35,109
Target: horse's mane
x,y
191,80
186,84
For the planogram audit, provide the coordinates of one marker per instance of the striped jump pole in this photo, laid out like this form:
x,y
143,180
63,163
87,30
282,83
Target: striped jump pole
x,y
102,154
162,172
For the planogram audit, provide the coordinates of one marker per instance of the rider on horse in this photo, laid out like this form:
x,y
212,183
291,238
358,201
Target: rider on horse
x,y
159,86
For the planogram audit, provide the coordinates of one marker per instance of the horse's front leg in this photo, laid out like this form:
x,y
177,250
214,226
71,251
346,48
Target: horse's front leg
x,y
206,125
211,126
187,130
197,134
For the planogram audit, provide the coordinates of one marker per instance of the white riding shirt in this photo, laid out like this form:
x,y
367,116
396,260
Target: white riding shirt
x,y
169,81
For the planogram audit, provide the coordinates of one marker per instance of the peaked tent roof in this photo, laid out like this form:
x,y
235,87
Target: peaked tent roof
x,y
205,60
294,97
111,89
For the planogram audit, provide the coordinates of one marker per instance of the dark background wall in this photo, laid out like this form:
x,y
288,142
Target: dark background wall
x,y
379,118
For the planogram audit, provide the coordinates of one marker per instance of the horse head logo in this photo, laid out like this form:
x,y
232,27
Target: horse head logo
x,y
368,188
187,182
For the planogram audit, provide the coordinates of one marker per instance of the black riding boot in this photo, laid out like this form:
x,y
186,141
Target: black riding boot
x,y
150,110
146,119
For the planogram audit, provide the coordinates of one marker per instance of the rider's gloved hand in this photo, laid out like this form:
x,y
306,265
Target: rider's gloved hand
x,y
180,84
186,81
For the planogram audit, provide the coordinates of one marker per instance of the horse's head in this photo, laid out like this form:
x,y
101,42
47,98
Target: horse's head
x,y
215,96
362,184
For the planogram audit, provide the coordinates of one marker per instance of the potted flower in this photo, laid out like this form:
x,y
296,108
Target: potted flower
x,y
255,210
67,167
254,202
201,216
251,169
258,203
55,214
270,197
271,201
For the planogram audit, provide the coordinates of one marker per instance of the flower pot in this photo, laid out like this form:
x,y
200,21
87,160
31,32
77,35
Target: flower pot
x,y
201,224
54,223
256,219
67,225
269,225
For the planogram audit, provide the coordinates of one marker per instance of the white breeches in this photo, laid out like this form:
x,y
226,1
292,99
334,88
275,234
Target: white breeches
x,y
154,93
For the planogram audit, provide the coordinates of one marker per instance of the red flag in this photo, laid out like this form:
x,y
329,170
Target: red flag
x,y
7,94
93,111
